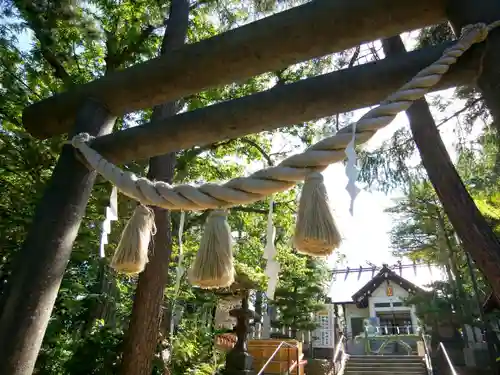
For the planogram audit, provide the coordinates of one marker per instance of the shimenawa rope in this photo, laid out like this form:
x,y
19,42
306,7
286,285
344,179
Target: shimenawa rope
x,y
245,190
316,233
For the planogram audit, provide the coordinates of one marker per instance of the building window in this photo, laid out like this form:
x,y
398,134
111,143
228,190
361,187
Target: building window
x,y
397,304
382,304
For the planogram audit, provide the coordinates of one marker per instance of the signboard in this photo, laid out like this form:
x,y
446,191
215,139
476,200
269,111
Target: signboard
x,y
389,291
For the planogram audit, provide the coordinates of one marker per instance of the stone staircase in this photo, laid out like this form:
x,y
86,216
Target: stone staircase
x,y
385,364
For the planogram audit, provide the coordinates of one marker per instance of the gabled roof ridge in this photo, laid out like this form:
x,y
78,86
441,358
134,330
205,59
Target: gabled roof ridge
x,y
377,280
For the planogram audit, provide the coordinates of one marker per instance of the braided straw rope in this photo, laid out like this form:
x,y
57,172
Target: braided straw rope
x,y
296,168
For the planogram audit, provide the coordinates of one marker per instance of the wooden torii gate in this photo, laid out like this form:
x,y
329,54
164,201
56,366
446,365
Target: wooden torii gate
x,y
315,29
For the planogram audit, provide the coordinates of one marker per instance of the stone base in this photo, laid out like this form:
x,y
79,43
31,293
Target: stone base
x,y
469,356
238,363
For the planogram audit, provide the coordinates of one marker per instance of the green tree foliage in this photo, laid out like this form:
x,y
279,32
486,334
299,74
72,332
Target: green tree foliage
x,y
423,233
391,167
47,47
300,294
421,230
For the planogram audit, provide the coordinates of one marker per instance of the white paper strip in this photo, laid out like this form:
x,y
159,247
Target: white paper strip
x,y
111,215
352,170
180,268
270,249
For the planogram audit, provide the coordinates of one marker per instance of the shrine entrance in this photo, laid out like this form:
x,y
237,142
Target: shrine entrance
x,y
395,323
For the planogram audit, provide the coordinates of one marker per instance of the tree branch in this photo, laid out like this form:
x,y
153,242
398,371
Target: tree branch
x,y
18,79
36,19
59,70
9,118
260,149
133,48
441,123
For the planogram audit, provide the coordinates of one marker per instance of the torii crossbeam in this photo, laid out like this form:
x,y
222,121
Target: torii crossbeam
x,y
315,29
312,30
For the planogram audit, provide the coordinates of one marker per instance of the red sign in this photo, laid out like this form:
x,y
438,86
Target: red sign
x,y
225,341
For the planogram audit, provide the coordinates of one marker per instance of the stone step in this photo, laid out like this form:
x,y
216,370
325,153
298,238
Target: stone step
x,y
385,364
396,368
388,363
390,356
383,372
386,359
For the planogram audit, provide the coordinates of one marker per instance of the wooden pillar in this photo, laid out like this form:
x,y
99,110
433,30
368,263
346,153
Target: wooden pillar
x,y
46,251
464,12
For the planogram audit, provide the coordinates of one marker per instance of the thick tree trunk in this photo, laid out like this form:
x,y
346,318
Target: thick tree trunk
x,y
312,30
144,327
283,105
42,261
477,237
465,12
104,307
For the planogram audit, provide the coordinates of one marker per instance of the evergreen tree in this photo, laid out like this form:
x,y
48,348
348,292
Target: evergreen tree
x,y
300,294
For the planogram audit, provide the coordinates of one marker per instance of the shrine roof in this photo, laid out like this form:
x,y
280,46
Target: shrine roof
x,y
344,287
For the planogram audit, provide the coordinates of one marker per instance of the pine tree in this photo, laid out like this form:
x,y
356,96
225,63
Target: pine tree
x,y
299,296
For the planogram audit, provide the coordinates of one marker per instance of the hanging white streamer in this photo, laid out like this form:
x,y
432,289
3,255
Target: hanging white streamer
x,y
272,267
270,249
111,215
180,268
177,310
352,170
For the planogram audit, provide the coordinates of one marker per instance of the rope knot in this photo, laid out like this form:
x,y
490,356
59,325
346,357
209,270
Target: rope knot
x,y
315,176
80,138
147,212
480,31
219,213
144,210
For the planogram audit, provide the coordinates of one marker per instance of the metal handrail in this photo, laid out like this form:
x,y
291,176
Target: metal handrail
x,y
340,347
448,360
296,364
427,356
282,343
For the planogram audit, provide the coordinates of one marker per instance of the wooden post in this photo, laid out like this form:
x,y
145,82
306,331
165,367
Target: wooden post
x,y
46,251
464,12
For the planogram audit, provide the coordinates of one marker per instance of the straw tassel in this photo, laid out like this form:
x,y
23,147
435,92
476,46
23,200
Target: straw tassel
x,y
214,264
315,233
131,255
